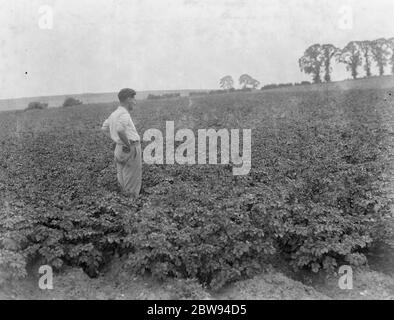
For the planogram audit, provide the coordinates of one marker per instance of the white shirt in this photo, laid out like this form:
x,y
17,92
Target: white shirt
x,y
119,120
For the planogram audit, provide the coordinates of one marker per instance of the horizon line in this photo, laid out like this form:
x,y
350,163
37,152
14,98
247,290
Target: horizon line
x,y
105,92
154,90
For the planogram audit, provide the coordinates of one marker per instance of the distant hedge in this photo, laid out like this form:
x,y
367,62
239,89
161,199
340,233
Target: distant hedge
x,y
276,85
283,85
70,101
217,91
243,90
35,105
198,93
163,96
302,83
220,91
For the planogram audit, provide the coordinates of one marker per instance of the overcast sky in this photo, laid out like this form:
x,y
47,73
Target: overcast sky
x,y
104,45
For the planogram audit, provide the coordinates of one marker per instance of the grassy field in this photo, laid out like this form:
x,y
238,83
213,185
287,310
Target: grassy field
x,y
385,82
86,98
319,195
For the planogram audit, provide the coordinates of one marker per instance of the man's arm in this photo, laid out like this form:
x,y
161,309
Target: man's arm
x,y
123,137
121,127
105,127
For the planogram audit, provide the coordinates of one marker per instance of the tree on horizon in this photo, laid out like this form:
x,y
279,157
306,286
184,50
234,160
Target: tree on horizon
x,y
391,45
312,61
227,82
380,51
246,81
329,51
366,50
351,56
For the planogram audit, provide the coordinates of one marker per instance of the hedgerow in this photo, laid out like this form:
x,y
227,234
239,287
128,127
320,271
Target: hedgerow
x,y
314,194
71,101
35,105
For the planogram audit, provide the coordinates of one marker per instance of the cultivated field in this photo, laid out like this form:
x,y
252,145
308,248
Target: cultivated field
x,y
319,195
86,98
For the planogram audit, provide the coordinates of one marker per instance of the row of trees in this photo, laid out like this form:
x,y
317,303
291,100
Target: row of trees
x,y
245,80
318,59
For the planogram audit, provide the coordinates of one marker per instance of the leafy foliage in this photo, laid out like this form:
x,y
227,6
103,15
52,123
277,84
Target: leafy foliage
x,y
163,96
314,193
329,52
351,55
226,82
70,101
366,50
36,105
246,81
312,61
274,86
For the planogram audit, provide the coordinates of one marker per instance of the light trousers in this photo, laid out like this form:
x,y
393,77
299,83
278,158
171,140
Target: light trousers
x,y
129,169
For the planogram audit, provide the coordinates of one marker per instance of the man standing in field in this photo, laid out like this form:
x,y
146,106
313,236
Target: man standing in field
x,y
121,129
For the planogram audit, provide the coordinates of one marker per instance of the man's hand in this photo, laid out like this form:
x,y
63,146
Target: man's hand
x,y
105,127
123,138
126,149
